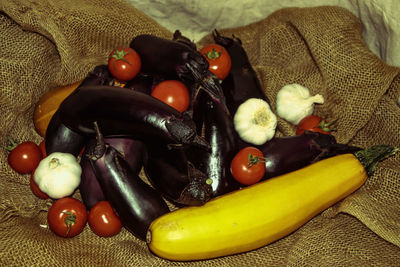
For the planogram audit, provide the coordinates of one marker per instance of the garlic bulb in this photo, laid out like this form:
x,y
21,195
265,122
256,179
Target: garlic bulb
x,y
294,102
254,121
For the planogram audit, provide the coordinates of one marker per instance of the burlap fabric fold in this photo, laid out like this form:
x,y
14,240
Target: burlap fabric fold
x,y
50,43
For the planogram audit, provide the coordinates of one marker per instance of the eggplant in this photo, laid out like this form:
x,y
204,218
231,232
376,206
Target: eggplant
x,y
127,113
178,180
60,138
136,203
90,189
217,127
100,75
142,83
242,82
177,59
290,153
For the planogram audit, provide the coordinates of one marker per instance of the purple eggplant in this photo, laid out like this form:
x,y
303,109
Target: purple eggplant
x,y
100,75
242,82
142,83
136,203
127,113
290,153
90,189
177,59
60,138
218,130
178,180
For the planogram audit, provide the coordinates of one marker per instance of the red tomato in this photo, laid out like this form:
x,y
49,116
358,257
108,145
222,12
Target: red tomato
x,y
67,217
219,60
174,93
248,166
103,220
36,190
316,124
124,63
24,157
42,147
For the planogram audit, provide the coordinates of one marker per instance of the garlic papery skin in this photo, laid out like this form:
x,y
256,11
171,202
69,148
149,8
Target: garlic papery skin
x,y
294,102
58,175
255,122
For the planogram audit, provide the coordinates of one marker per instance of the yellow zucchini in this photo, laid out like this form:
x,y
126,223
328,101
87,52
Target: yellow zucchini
x,y
258,215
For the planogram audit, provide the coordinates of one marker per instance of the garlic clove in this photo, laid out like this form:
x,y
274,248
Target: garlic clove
x,y
255,122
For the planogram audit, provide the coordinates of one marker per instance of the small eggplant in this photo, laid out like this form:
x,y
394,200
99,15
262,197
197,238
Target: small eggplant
x,y
178,180
127,113
60,138
242,82
290,153
136,203
143,83
217,125
89,188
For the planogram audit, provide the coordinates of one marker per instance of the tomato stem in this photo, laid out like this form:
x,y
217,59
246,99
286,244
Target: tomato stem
x,y
327,126
255,159
11,144
213,54
69,221
120,55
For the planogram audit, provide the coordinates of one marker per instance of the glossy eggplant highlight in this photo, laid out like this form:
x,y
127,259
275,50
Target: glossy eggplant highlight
x,y
127,113
136,202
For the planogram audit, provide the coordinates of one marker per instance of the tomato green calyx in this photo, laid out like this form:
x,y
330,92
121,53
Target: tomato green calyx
x,y
69,220
120,55
11,145
254,160
213,54
327,126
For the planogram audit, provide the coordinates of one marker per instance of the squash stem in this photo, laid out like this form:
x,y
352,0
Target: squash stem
x,y
370,157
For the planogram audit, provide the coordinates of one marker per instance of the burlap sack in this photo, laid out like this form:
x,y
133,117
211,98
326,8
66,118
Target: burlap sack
x,y
51,43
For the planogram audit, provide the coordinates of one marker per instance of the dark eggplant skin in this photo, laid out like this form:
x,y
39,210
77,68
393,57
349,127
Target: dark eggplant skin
x,y
60,138
128,113
176,178
290,153
142,83
136,203
177,59
218,129
168,58
242,82
90,189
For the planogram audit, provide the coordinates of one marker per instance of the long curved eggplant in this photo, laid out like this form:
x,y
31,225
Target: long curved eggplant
x,y
178,180
89,188
290,153
217,125
127,113
242,82
136,203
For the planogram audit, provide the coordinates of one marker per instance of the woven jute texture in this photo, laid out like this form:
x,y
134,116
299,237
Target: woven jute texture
x,y
50,43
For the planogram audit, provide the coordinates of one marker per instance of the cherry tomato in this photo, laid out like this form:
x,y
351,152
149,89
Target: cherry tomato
x,y
35,188
67,217
174,93
24,157
124,63
316,124
218,59
42,147
103,220
248,166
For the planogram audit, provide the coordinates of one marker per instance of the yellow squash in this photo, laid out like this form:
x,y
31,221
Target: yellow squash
x,y
48,105
255,216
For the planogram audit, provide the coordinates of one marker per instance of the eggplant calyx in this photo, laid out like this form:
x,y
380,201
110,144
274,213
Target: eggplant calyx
x,y
97,151
199,189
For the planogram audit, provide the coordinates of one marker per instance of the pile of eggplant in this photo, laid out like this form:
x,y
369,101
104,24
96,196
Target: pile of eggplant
x,y
186,156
